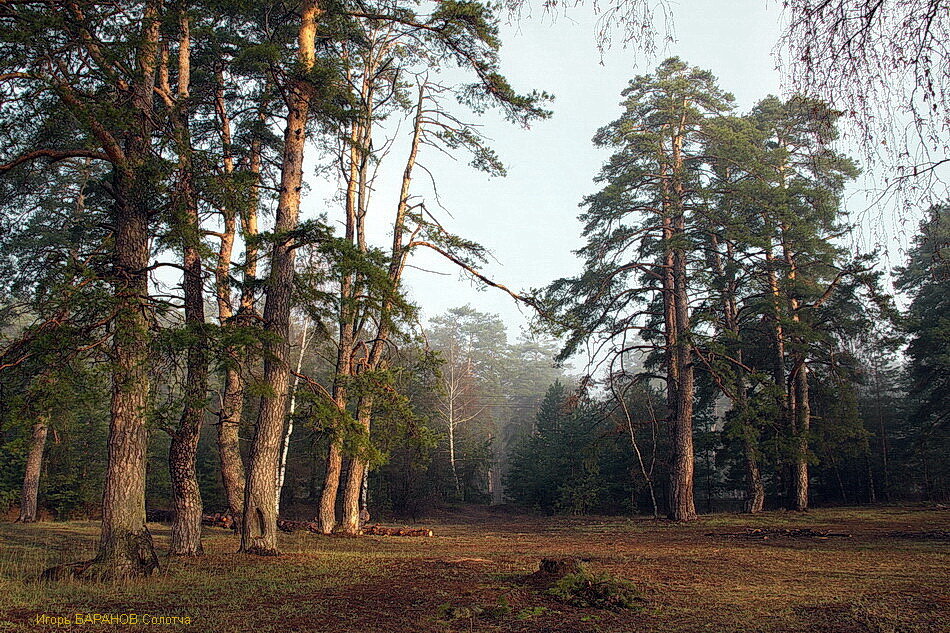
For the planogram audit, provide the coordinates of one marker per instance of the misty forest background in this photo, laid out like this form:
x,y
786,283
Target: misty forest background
x,y
724,346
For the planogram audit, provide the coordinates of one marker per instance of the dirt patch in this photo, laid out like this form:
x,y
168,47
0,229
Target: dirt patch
x,y
763,534
470,577
923,535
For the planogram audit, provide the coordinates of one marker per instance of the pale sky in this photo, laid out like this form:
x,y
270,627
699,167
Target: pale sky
x,y
528,220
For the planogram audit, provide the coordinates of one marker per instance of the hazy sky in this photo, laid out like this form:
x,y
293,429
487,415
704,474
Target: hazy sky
x,y
528,219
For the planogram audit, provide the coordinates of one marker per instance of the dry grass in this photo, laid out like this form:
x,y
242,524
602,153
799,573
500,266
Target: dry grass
x,y
469,577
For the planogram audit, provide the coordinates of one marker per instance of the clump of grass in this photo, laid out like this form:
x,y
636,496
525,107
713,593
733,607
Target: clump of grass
x,y
448,611
598,591
531,612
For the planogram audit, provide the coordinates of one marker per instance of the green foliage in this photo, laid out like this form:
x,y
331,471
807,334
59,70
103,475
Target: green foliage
x,y
13,451
926,279
577,460
531,612
596,591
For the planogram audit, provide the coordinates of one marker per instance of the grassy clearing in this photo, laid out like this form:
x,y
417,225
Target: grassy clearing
x,y
469,577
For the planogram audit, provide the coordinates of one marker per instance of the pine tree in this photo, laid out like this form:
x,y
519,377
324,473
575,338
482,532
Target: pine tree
x,y
640,230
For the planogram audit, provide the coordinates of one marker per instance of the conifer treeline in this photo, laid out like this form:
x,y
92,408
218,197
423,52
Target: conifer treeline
x,y
152,175
717,267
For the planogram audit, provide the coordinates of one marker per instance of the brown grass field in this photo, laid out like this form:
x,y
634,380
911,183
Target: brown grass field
x,y
890,575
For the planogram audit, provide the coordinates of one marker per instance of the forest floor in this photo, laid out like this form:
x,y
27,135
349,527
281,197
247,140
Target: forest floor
x,y
888,570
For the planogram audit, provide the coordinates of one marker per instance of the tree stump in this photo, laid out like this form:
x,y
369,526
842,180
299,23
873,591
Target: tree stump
x,y
550,570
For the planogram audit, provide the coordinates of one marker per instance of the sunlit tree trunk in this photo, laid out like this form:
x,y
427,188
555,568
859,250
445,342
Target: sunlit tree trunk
x,y
682,505
259,534
183,450
354,482
800,409
326,517
232,397
802,428
755,490
354,502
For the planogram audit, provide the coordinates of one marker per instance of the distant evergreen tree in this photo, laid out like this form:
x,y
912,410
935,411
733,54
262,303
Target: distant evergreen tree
x,y
926,279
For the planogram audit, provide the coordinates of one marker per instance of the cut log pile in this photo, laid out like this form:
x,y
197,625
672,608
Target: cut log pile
x,y
379,530
764,534
285,525
219,519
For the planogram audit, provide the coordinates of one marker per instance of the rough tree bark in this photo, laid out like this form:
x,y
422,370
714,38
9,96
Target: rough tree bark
x,y
802,427
125,548
183,450
682,505
31,478
800,407
755,490
326,516
232,396
353,490
125,545
259,534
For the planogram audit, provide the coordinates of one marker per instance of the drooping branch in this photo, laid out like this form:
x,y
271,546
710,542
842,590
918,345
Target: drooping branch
x,y
53,156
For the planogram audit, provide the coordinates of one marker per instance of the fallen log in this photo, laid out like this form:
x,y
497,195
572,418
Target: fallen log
x,y
288,526
220,520
285,525
379,530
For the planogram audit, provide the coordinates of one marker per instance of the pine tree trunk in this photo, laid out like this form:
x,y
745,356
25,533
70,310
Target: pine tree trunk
x,y
326,516
229,447
352,492
31,478
331,485
125,544
755,490
802,426
125,548
183,451
357,472
232,398
799,407
259,534
186,495
682,504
